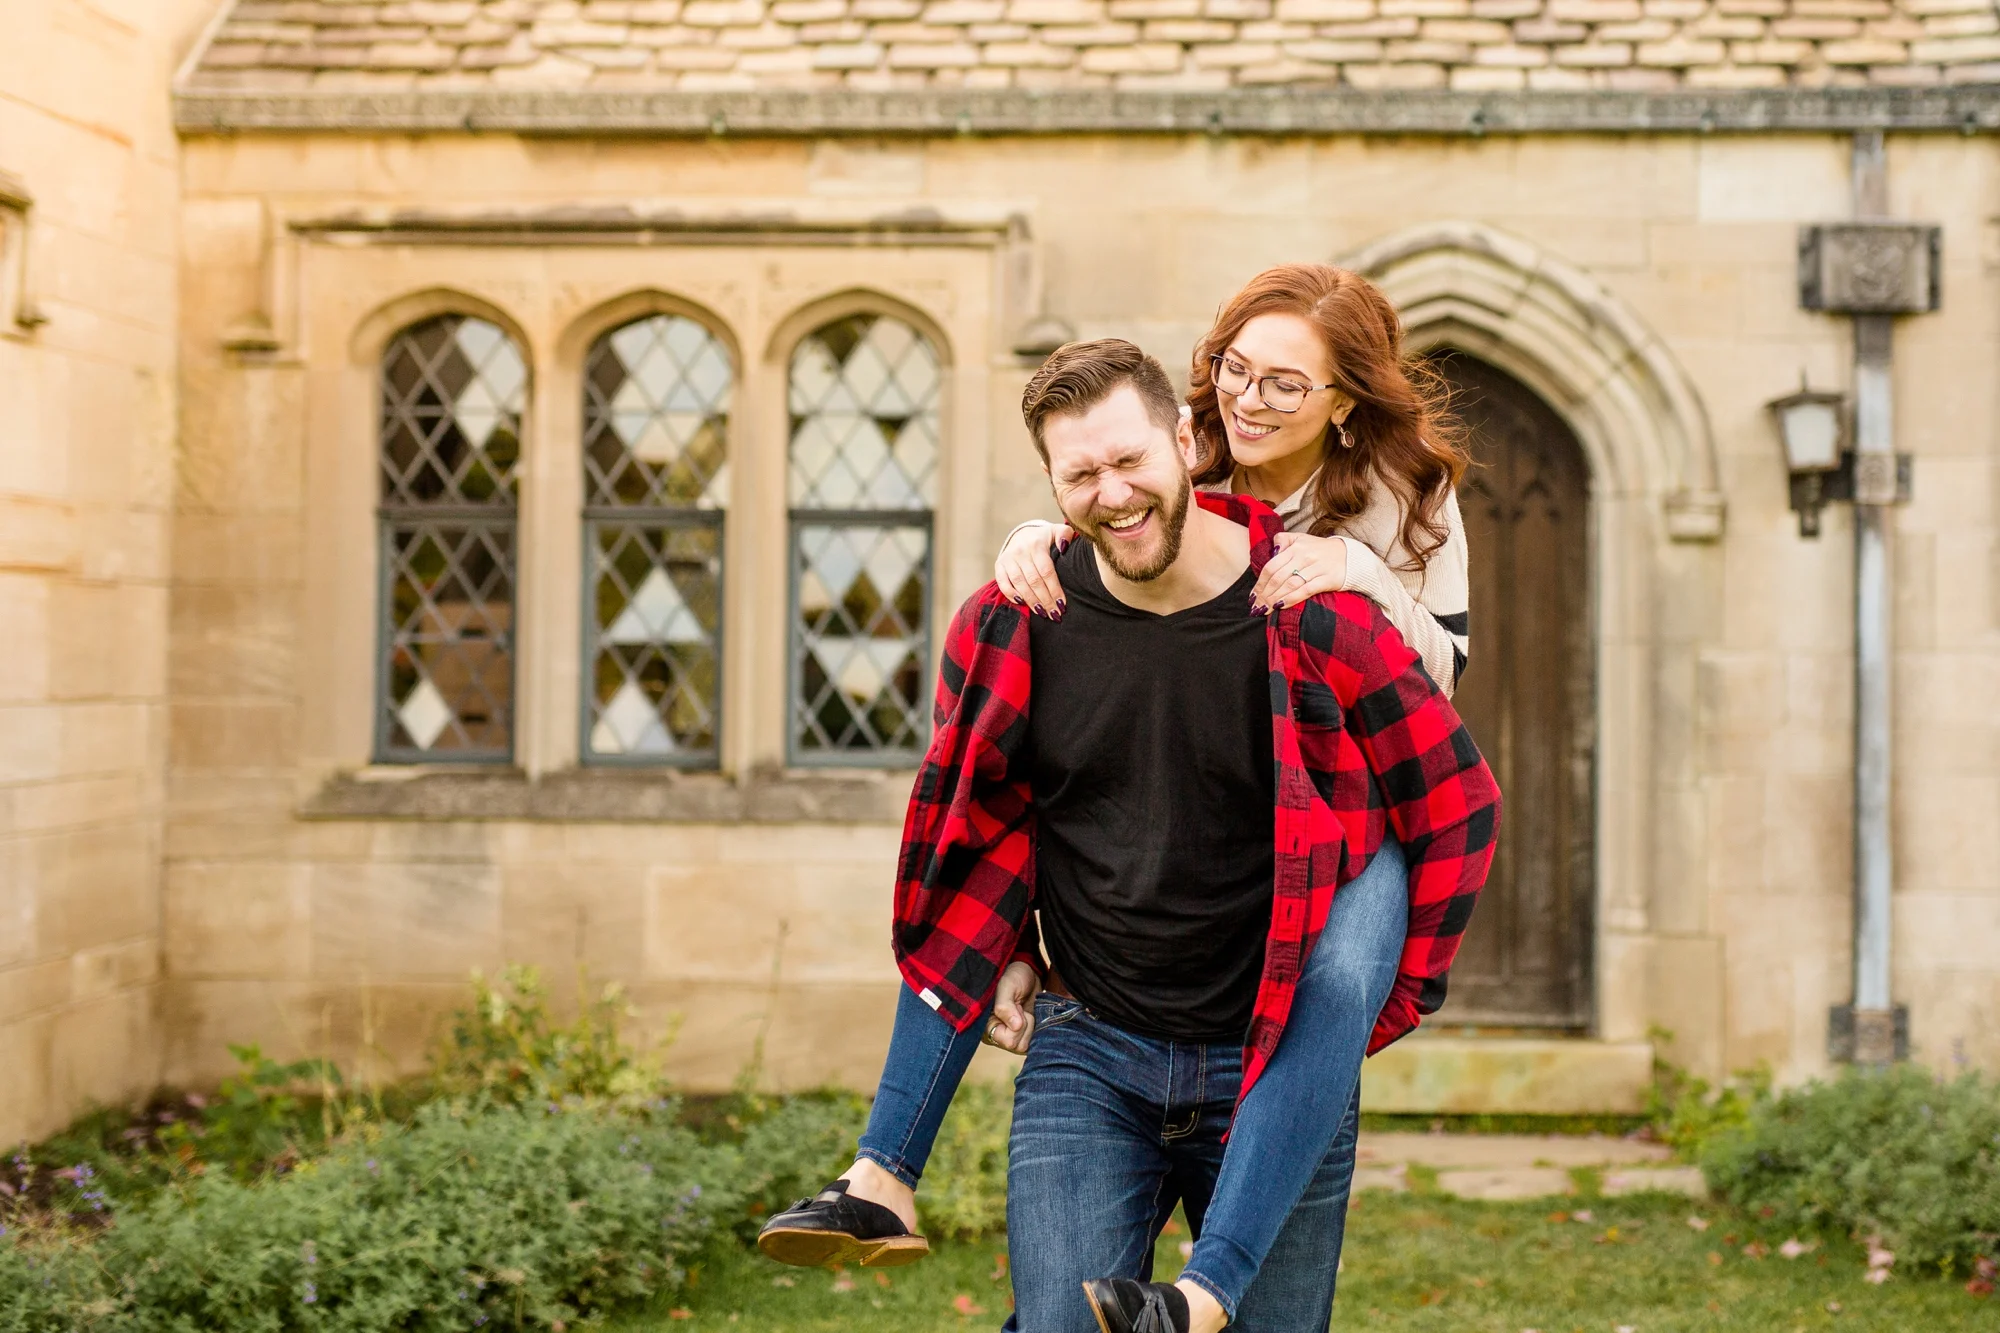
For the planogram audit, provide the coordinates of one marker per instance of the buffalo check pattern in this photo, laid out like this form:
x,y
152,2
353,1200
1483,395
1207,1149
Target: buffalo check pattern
x,y
1363,743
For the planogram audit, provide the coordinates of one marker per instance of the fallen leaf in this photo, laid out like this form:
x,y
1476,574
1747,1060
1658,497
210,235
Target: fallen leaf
x,y
1583,1215
843,1281
1431,1297
1756,1249
1876,1275
1558,1217
1714,1259
1187,1249
1980,1286
1794,1247
784,1280
1698,1223
882,1280
680,1313
1624,1328
963,1304
1477,1281
1729,1239
1833,1307
1172,1228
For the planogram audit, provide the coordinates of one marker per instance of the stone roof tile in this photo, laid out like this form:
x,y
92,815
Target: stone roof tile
x,y
886,45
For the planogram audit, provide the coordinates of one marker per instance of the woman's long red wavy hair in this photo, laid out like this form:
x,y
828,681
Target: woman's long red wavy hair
x,y
1400,429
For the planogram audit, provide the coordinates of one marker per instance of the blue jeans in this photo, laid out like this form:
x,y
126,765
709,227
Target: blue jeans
x,y
927,1058
1283,1133
1111,1130
1287,1156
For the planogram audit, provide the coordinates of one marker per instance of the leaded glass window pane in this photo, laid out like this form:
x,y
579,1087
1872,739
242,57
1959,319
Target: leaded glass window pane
x,y
863,397
453,390
655,472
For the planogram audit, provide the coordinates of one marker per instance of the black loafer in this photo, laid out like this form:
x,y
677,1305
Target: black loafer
x,y
1125,1306
831,1228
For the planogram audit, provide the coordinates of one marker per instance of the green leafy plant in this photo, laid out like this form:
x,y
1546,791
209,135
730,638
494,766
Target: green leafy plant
x,y
257,1119
1898,1154
1686,1111
964,1192
497,1217
506,1047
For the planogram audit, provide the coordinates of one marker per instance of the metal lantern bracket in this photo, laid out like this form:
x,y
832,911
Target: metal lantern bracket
x,y
1866,478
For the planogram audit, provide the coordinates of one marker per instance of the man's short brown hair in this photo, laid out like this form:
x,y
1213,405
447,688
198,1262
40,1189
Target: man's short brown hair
x,y
1079,376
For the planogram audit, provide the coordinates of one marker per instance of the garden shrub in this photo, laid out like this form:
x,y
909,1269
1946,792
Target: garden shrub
x,y
505,1047
1899,1153
791,1148
500,1217
964,1190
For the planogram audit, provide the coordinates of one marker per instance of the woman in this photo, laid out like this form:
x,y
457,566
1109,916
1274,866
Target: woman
x,y
1300,396
1365,490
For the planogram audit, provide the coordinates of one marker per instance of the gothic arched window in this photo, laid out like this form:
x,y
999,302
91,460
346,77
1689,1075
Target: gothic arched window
x,y
452,393
863,398
655,482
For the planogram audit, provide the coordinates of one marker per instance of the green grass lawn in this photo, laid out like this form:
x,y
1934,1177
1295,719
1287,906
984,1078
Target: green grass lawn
x,y
1416,1263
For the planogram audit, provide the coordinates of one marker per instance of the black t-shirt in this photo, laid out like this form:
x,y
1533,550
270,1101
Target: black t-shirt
x,y
1153,784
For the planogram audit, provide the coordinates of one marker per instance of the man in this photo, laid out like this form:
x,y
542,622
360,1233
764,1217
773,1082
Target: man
x,y
1177,785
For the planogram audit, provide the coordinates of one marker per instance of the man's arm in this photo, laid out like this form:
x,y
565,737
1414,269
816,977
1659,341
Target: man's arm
x,y
1441,798
965,875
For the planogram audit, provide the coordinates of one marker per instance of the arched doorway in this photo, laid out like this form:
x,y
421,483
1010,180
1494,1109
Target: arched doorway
x,y
1528,698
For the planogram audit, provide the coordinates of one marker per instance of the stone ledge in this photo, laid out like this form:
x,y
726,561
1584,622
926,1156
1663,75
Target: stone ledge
x,y
613,796
1508,1076
1274,111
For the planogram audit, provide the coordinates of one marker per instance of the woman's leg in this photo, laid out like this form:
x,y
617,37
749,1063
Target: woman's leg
x,y
1287,1124
927,1059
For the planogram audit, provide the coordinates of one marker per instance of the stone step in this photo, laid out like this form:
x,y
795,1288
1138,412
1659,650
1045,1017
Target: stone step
x,y
1521,1166
1475,1075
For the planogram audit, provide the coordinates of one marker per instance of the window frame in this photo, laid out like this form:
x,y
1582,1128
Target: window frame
x,y
390,516
801,324
635,308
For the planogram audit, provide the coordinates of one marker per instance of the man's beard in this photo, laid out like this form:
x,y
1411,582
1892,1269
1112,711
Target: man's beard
x,y
1173,521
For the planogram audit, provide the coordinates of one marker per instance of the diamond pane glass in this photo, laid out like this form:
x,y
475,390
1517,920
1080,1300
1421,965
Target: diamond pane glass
x,y
449,676
656,416
864,416
453,389
657,614
861,641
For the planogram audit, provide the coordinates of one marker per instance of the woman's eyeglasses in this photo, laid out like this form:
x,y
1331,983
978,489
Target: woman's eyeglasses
x,y
1279,393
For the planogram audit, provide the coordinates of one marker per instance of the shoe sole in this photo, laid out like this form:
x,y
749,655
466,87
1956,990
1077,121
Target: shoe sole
x,y
805,1248
1096,1310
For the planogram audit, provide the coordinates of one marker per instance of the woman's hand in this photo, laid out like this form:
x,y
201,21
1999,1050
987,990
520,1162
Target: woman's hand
x,y
1025,572
1303,567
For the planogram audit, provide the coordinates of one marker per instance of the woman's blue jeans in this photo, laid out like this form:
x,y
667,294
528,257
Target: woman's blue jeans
x,y
1286,1126
927,1058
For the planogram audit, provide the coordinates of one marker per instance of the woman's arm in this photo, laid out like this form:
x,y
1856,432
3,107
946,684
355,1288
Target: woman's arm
x,y
1420,626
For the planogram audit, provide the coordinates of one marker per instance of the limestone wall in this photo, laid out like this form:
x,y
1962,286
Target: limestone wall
x,y
315,902
88,271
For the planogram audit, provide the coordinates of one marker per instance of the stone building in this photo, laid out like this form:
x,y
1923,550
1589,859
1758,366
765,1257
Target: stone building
x,y
481,478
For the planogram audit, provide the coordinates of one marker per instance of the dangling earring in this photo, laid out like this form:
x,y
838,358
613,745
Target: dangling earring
x,y
1340,432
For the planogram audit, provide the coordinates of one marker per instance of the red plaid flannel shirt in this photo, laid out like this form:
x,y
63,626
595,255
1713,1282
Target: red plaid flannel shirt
x,y
1362,738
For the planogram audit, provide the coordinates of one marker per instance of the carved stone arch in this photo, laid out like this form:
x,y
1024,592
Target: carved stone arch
x,y
582,332
1572,340
853,301
374,330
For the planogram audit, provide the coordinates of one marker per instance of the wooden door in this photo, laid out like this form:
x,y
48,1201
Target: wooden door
x,y
1527,696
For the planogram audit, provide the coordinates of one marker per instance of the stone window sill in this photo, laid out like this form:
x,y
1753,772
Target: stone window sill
x,y
593,795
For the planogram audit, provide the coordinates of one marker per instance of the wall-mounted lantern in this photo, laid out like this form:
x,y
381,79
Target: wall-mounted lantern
x,y
1812,425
